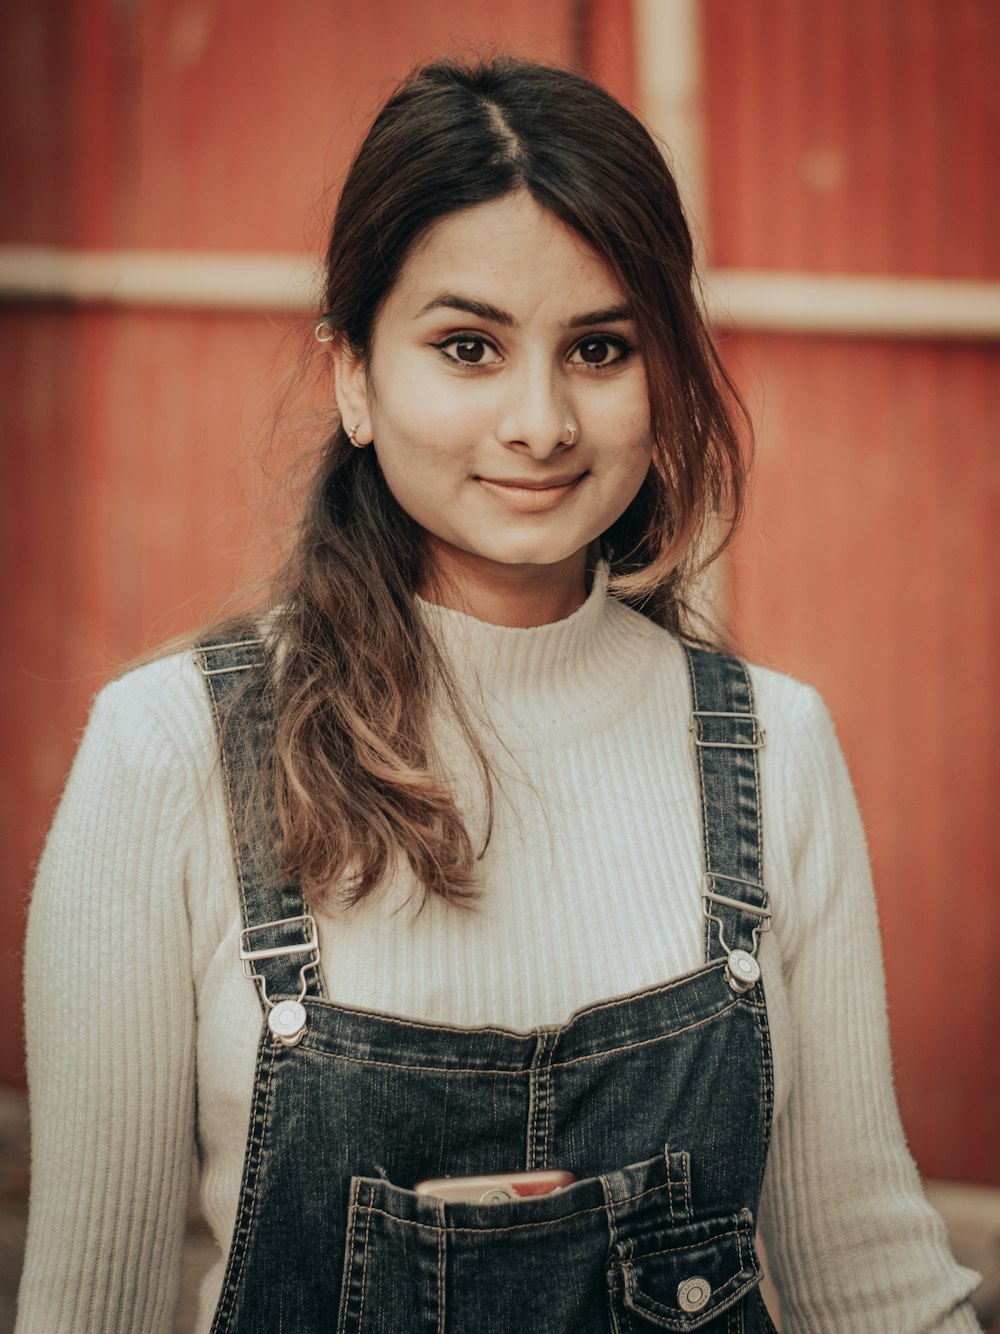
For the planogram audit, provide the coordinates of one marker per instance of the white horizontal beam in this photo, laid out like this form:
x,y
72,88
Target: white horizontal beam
x,y
192,280
743,299
853,305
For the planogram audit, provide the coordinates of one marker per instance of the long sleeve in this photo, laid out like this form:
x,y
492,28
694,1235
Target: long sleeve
x,y
852,1242
110,1031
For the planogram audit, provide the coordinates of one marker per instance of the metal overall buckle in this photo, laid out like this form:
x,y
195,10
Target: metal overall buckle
x,y
235,667
695,727
742,968
286,1019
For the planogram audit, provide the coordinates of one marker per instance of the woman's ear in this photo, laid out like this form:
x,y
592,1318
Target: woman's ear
x,y
350,387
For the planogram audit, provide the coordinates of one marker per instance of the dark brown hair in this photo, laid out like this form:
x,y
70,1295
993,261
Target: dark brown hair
x,y
353,771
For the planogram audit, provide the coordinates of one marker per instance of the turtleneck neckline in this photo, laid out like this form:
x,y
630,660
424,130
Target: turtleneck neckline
x,y
581,672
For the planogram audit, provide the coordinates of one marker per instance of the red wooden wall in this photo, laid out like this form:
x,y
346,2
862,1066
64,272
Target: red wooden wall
x,y
853,138
844,138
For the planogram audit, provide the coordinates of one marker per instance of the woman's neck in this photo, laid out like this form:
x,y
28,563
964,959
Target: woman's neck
x,y
519,596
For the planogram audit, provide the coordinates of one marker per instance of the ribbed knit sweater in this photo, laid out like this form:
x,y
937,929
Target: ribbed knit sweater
x,y
142,1029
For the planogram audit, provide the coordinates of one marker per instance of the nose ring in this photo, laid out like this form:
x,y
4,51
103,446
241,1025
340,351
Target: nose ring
x,y
571,430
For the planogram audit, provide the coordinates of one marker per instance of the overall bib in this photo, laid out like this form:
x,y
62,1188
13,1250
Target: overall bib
x,y
659,1102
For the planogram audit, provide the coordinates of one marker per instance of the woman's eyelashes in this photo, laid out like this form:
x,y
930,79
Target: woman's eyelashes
x,y
600,351
468,350
471,351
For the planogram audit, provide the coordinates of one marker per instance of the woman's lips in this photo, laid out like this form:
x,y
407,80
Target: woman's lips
x,y
531,497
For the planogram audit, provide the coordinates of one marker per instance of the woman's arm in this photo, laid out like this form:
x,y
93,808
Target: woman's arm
x,y
110,1023
852,1242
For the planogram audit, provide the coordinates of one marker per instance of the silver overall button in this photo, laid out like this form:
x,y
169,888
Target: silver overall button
x,y
287,1022
694,1294
743,970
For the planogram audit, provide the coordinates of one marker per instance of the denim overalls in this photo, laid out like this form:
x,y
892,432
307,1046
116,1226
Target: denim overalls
x,y
658,1101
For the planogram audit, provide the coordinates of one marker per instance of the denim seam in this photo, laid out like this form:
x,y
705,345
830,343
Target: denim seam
x,y
248,1194
695,1245
535,1076
233,834
440,1266
766,1082
555,1065
526,1035
687,1184
678,1165
613,1248
508,1227
364,1259
345,1296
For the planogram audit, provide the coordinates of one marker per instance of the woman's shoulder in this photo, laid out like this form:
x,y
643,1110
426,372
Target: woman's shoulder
x,y
786,702
156,711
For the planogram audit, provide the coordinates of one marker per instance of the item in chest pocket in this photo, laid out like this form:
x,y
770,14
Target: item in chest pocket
x,y
498,1188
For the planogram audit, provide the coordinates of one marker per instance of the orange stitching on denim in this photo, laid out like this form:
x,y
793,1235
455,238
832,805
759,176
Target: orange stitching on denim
x,y
345,1296
509,1227
667,1158
686,1158
242,1234
364,1258
524,1035
441,1264
305,1045
695,1245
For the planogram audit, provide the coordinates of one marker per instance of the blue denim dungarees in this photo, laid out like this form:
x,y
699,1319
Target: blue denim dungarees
x,y
658,1101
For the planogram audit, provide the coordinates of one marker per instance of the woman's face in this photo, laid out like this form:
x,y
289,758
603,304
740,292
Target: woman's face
x,y
505,395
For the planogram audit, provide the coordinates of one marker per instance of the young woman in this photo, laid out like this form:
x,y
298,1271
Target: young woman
x,y
497,875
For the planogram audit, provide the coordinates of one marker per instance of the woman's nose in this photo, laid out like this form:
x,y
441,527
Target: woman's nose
x,y
535,416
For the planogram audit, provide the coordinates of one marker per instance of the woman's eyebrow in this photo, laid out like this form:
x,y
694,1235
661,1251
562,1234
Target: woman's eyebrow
x,y
484,311
608,315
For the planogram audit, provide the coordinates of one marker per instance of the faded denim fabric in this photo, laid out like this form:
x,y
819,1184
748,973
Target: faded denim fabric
x,y
659,1102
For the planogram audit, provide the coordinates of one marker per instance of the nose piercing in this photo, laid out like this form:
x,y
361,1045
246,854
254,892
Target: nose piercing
x,y
571,429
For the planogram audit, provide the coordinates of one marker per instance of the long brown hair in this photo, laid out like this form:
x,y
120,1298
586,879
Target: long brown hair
x,y
354,779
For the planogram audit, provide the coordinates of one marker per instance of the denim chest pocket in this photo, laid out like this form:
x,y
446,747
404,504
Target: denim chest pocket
x,y
569,1261
699,1273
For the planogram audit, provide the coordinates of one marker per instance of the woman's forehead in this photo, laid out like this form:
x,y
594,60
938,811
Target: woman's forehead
x,y
512,255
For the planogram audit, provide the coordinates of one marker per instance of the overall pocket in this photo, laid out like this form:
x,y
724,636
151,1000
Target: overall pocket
x,y
415,1265
691,1276
608,1255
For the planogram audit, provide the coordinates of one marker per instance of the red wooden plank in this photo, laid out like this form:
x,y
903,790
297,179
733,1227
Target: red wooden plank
x,y
853,138
866,568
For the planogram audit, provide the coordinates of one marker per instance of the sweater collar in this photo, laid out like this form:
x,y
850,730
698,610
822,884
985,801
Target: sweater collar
x,y
546,677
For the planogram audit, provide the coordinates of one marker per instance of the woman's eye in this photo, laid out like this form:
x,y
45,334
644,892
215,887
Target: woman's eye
x,y
469,351
600,351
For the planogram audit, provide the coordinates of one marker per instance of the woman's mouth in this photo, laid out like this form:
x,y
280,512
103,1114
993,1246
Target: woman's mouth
x,y
531,497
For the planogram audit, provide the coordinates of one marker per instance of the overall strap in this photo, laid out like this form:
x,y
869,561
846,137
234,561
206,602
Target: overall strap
x,y
279,945
728,739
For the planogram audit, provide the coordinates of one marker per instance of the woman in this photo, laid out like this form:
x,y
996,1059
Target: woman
x,y
497,844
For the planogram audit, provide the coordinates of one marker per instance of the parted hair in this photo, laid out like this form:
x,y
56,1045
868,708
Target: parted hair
x,y
352,777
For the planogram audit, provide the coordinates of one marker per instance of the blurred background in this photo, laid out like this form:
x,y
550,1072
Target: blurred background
x,y
168,171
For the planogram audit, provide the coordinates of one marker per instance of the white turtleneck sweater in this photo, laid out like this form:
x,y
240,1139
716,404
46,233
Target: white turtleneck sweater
x,y
142,1029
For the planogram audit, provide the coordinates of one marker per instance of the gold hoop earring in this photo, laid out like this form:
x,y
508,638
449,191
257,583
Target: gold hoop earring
x,y
572,435
352,433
